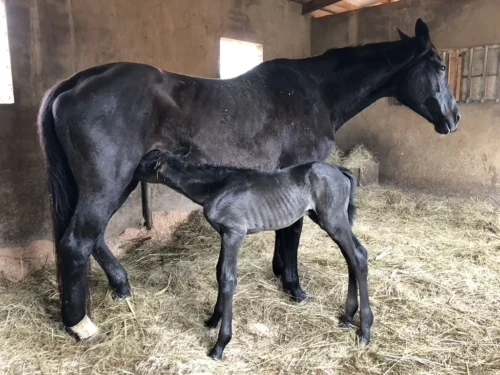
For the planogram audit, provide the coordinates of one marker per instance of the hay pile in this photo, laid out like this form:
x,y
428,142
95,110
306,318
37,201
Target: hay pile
x,y
357,158
434,286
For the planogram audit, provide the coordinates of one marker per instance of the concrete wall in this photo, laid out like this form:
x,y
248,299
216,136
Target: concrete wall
x,y
411,154
52,39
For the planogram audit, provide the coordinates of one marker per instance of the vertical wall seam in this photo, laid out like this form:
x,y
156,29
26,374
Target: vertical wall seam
x,y
72,43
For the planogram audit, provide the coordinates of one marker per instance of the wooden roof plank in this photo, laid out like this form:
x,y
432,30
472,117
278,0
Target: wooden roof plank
x,y
347,5
317,5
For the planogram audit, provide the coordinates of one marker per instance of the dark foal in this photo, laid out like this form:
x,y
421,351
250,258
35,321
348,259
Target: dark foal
x,y
237,202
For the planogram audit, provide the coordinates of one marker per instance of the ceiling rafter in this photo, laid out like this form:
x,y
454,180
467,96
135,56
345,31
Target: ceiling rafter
x,y
314,5
319,8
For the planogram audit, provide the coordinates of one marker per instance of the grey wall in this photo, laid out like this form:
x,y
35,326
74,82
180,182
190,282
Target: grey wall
x,y
52,39
411,154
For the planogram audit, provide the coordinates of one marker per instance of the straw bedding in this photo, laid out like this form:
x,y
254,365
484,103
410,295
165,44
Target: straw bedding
x,y
434,287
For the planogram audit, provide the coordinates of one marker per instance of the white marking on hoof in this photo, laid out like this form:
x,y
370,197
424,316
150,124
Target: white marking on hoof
x,y
85,328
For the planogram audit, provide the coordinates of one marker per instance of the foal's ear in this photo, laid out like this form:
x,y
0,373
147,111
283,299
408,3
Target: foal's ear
x,y
402,35
422,33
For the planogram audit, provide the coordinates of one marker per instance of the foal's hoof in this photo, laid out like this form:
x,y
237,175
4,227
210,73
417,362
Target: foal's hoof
x,y
216,353
364,340
346,325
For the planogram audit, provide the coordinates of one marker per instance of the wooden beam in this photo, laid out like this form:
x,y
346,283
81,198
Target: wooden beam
x,y
317,5
347,6
452,72
460,76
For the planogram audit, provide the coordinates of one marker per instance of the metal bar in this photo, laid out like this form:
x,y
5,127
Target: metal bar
x,y
146,205
469,79
485,67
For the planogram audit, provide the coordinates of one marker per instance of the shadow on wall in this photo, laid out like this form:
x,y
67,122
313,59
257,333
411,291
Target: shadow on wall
x,y
23,188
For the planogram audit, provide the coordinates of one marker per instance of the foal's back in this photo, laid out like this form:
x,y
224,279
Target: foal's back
x,y
261,201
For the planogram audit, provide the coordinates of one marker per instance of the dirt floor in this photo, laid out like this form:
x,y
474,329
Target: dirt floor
x,y
434,286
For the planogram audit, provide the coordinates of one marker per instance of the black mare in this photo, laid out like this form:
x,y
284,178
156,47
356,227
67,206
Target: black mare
x,y
97,125
237,202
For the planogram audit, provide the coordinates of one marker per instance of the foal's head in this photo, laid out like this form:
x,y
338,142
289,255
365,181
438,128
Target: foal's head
x,y
424,85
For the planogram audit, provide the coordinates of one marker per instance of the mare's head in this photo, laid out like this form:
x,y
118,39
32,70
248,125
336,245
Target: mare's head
x,y
423,86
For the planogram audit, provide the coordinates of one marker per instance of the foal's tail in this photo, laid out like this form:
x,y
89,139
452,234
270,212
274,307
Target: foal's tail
x,y
351,208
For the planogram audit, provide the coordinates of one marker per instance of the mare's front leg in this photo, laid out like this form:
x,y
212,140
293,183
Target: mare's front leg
x,y
286,256
227,279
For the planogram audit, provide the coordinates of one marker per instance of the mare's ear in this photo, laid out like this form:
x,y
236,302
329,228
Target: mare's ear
x,y
422,33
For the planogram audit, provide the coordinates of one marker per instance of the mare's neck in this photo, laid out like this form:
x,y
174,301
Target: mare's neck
x,y
351,79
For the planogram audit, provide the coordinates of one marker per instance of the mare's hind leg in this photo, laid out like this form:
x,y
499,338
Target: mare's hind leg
x,y
117,275
285,260
87,225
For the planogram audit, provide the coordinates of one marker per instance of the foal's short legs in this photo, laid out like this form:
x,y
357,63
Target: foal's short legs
x,y
214,320
117,275
286,257
357,261
227,278
351,304
366,312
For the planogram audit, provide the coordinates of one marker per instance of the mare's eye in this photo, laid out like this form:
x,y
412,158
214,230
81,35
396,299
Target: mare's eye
x,y
442,68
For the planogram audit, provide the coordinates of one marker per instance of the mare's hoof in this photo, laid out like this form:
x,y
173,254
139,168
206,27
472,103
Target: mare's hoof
x,y
120,297
299,296
120,293
216,353
211,323
95,339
